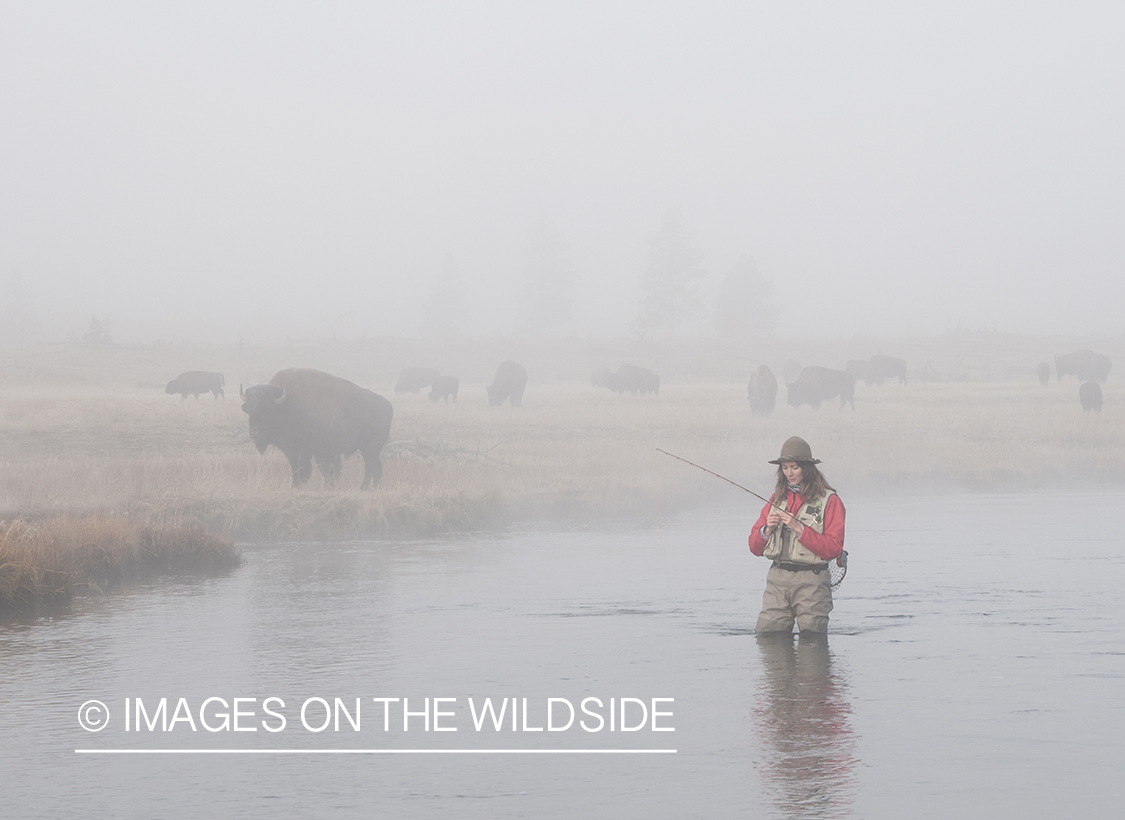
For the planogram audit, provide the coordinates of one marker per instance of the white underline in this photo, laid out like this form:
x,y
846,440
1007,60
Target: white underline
x,y
375,751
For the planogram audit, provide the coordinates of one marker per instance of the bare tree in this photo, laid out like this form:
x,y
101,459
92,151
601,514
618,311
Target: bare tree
x,y
671,279
742,309
98,332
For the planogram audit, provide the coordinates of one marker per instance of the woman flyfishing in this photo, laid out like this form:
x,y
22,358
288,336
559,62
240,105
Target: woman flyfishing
x,y
801,530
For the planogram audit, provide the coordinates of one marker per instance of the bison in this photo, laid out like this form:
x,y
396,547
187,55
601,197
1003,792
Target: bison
x,y
445,387
310,415
1099,368
1090,394
817,384
1043,371
1087,365
413,379
762,392
631,378
885,367
1073,364
602,377
195,382
509,382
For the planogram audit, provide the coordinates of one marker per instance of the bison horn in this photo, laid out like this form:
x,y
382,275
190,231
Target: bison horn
x,y
280,398
241,394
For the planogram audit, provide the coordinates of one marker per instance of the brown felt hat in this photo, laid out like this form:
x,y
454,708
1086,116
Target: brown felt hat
x,y
796,449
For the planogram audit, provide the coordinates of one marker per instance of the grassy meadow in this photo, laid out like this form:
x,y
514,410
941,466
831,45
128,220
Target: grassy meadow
x,y
91,432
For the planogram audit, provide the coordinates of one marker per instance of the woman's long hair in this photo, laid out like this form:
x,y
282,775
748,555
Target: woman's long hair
x,y
813,483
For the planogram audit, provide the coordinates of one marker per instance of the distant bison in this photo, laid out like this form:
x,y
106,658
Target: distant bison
x,y
631,378
885,367
310,415
509,383
195,382
817,384
1090,394
762,392
1099,368
444,388
1044,373
602,377
413,379
857,367
1087,365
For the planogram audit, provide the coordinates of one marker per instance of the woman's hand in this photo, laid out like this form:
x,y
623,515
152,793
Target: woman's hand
x,y
788,520
773,518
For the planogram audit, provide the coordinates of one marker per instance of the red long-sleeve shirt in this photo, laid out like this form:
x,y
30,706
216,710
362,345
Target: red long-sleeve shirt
x,y
827,545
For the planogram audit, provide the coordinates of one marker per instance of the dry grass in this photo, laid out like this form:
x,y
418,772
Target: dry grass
x,y
53,558
80,436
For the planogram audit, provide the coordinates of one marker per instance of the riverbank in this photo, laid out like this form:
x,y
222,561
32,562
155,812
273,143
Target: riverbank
x,y
52,559
93,437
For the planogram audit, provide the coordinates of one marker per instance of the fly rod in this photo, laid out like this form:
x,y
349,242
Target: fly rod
x,y
837,569
723,477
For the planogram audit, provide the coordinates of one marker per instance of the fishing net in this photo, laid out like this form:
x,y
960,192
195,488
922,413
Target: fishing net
x,y
838,569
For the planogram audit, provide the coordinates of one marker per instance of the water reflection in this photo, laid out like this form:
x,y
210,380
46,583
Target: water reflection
x,y
802,720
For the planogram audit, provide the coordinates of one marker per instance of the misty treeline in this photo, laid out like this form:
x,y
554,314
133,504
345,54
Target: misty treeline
x,y
18,324
670,283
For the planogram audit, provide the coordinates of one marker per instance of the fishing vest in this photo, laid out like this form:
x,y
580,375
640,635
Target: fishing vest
x,y
783,544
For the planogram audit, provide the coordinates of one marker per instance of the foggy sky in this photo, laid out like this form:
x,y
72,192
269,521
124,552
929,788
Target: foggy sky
x,y
263,170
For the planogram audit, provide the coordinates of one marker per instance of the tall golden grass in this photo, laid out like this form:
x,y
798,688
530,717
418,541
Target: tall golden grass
x,y
52,558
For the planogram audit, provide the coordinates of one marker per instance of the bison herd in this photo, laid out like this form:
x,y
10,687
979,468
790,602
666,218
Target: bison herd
x,y
313,416
814,385
1088,367
414,379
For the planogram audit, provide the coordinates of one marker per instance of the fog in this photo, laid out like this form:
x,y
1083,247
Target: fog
x,y
224,171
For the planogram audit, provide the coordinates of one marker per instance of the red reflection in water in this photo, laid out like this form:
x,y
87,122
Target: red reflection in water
x,y
802,720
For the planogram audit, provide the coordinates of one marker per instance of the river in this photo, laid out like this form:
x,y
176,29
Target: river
x,y
973,670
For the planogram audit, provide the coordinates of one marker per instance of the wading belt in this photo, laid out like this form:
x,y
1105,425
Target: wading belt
x,y
799,567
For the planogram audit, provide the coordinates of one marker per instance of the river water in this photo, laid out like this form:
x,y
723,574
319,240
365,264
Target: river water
x,y
974,670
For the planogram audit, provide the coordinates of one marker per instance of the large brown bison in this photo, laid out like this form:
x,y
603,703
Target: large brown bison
x,y
444,388
413,379
1043,371
1090,394
310,415
195,382
1099,368
817,384
762,392
509,383
884,367
1087,365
